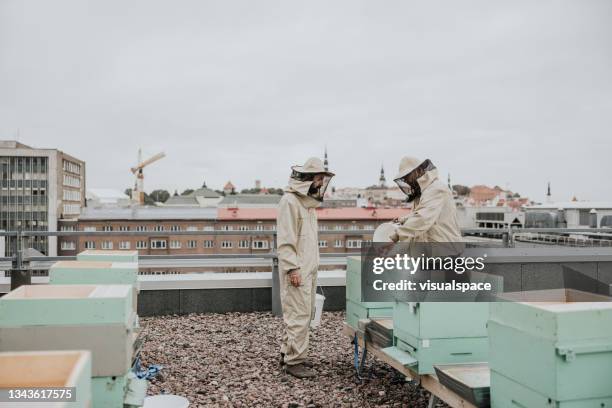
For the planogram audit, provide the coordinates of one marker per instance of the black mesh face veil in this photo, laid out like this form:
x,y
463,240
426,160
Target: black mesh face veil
x,y
322,179
409,184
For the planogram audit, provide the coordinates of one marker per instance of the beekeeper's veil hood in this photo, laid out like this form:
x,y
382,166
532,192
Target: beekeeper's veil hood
x,y
310,180
414,175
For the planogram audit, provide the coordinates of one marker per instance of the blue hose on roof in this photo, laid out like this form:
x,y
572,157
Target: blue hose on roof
x,y
145,373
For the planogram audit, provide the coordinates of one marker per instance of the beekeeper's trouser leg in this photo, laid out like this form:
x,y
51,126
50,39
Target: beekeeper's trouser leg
x,y
298,309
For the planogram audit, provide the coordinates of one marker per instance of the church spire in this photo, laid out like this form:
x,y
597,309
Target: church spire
x,y
325,162
382,180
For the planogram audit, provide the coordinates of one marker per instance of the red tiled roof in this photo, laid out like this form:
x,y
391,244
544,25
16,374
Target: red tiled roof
x,y
353,213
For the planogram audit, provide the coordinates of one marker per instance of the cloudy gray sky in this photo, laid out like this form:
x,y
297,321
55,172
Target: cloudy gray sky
x,y
514,93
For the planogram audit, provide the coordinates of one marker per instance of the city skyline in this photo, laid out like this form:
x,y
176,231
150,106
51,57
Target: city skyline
x,y
514,94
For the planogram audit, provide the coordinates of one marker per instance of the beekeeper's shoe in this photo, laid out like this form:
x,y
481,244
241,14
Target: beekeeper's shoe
x,y
300,371
307,363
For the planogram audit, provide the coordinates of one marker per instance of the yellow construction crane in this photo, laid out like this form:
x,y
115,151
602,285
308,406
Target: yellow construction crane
x,y
138,191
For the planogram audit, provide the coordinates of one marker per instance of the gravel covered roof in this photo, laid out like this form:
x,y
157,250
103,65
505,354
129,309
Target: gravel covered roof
x,y
232,360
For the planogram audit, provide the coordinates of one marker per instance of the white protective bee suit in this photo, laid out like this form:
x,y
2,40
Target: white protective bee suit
x,y
434,216
298,248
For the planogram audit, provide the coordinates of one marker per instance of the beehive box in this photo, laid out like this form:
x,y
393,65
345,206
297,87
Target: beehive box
x,y
441,332
96,318
48,369
108,256
93,272
557,349
96,273
67,304
355,308
108,392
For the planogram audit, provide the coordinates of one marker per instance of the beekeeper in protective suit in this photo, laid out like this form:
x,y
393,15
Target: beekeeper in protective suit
x,y
298,256
433,217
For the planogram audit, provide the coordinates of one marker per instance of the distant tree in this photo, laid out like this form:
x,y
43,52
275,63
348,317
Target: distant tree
x,y
278,191
186,192
204,184
516,195
220,192
461,190
161,196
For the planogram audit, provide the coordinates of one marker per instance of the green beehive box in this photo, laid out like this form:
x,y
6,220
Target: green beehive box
x,y
108,392
48,369
560,347
506,393
353,285
108,256
93,272
356,312
66,304
441,332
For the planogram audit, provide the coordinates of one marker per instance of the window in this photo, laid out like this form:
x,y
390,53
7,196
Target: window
x,y
158,244
368,227
175,244
175,228
259,227
243,228
243,243
192,228
72,195
338,243
141,244
124,228
67,228
68,245
226,244
107,244
209,228
89,229
192,243
124,245
353,243
258,244
209,244
107,228
141,228
353,227
339,227
90,245
227,228
72,209
159,228
323,227
322,244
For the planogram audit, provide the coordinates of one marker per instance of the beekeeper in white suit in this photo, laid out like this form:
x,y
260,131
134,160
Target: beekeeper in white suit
x,y
433,217
298,256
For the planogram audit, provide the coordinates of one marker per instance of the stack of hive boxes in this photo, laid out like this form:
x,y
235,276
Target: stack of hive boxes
x,y
355,308
553,353
49,370
432,333
99,318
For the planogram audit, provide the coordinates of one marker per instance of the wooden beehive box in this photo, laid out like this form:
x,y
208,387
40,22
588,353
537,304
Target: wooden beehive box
x,y
48,369
66,304
551,345
355,308
96,318
108,256
441,332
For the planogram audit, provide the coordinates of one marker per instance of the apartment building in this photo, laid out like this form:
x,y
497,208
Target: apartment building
x,y
38,188
242,231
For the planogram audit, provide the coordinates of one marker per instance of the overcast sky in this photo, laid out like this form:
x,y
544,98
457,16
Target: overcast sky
x,y
513,93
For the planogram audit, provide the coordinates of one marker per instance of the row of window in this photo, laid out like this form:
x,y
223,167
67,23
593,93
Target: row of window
x,y
72,195
72,209
72,181
259,227
191,244
174,244
72,167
